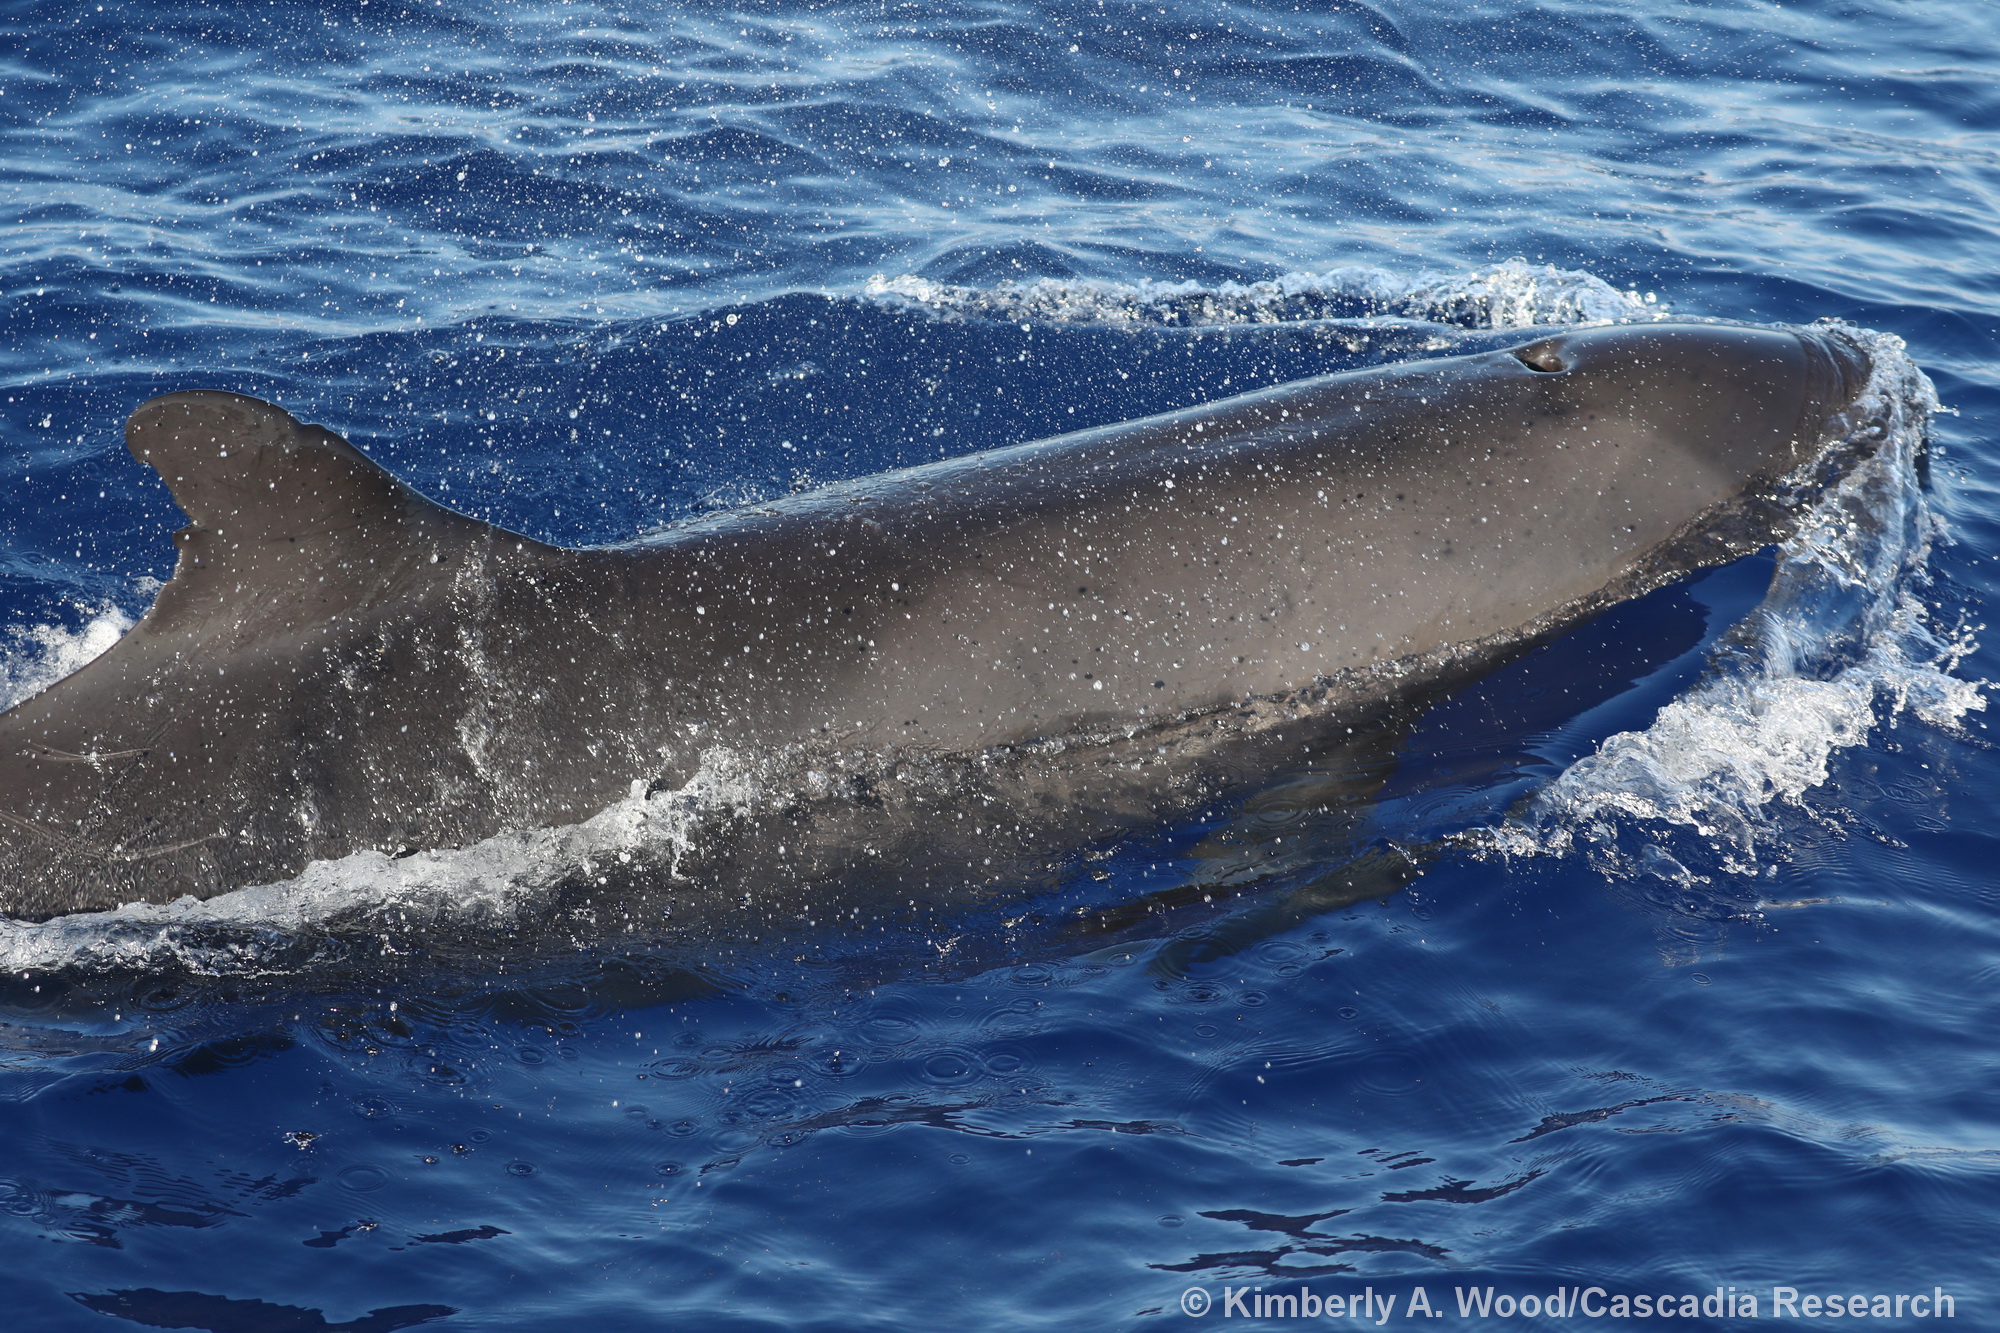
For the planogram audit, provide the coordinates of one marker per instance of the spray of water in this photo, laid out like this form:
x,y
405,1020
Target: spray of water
x,y
34,657
1512,295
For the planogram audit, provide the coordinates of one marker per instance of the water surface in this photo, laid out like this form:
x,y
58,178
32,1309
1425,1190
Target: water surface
x,y
1696,986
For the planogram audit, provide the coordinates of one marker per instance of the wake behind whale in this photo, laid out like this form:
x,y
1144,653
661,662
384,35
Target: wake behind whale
x,y
723,816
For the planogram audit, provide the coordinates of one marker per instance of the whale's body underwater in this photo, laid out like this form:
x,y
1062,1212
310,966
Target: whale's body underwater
x,y
1120,615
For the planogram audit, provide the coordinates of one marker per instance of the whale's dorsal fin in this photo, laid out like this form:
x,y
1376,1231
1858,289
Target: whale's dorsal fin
x,y
246,469
270,498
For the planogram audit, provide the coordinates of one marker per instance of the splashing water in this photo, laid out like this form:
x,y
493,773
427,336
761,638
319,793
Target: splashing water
x,y
35,657
1511,295
490,883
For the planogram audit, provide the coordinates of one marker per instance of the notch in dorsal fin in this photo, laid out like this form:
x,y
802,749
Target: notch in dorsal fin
x,y
246,471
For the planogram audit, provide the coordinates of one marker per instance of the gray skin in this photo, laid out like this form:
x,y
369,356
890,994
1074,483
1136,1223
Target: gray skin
x,y
339,664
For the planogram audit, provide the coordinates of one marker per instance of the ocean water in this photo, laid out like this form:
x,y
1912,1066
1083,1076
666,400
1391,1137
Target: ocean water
x,y
1666,961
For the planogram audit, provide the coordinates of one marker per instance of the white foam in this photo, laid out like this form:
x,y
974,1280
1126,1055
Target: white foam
x,y
1842,644
37,656
1511,295
489,883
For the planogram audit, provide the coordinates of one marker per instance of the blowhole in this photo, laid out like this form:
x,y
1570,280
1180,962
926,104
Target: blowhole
x,y
1543,356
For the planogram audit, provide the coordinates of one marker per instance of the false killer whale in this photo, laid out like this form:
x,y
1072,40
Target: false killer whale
x,y
1055,636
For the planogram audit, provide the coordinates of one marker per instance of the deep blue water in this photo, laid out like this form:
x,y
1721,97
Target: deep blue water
x,y
1716,1008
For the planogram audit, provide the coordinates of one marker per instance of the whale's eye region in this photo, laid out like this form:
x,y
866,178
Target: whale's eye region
x,y
1544,356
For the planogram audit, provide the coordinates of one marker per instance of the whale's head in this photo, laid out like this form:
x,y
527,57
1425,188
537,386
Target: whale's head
x,y
1758,403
